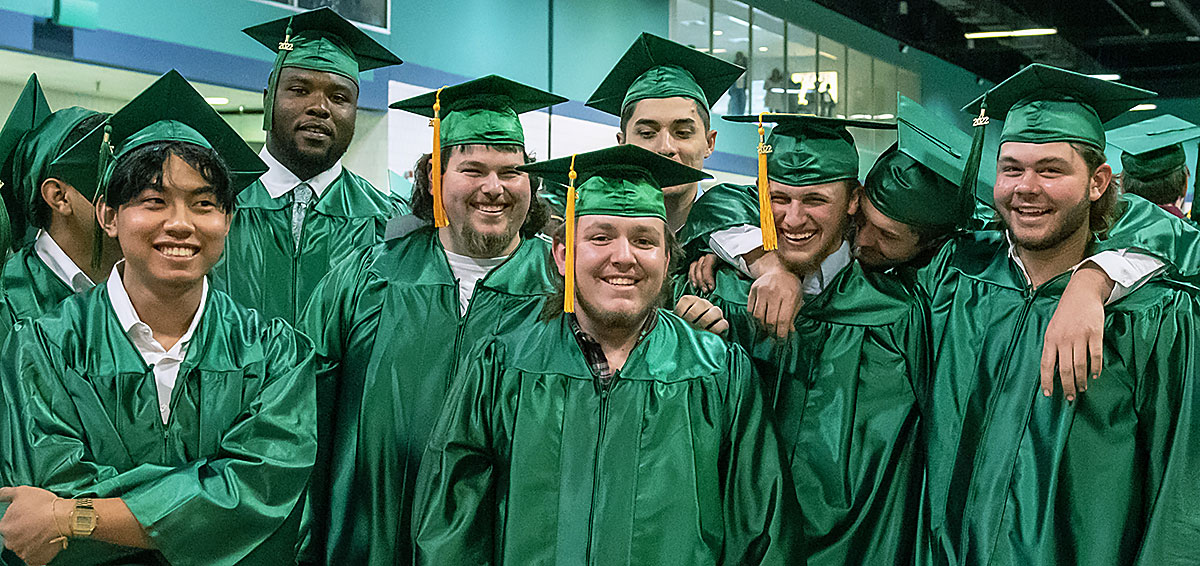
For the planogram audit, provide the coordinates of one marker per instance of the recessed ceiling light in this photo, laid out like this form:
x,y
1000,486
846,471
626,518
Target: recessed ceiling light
x,y
763,48
1141,107
216,100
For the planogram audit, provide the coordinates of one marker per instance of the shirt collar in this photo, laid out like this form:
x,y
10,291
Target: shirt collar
x,y
280,180
128,316
60,264
814,283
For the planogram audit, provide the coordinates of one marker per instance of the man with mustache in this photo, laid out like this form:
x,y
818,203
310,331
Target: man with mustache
x,y
607,431
69,253
1016,479
308,212
391,323
152,420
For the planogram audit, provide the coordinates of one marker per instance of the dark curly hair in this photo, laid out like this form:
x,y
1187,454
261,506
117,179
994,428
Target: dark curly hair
x,y
422,195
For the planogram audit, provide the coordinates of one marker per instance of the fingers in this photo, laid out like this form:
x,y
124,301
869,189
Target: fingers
x,y
1049,361
1095,354
710,319
1076,357
7,493
684,305
694,276
719,327
708,265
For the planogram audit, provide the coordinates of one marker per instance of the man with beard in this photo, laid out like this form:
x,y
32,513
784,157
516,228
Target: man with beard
x,y
308,212
69,253
1153,165
391,322
1016,479
608,431
151,420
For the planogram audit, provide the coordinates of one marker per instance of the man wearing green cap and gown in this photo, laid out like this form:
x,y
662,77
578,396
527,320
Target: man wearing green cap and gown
x,y
1153,164
307,212
175,425
1015,479
391,322
69,253
613,432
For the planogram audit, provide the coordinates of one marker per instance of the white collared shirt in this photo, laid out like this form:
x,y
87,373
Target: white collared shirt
x,y
1127,268
60,264
814,283
164,362
469,271
280,180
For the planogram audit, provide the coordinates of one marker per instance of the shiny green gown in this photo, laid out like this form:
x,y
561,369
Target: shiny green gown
x,y
27,289
218,484
847,383
263,270
532,461
388,336
1015,478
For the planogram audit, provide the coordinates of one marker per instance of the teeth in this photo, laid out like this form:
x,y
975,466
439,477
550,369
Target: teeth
x,y
801,235
619,281
490,207
178,252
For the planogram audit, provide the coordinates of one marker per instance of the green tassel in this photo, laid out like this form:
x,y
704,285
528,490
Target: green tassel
x,y
285,47
5,231
102,177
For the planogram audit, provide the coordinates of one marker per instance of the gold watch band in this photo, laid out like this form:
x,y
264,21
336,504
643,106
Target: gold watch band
x,y
83,518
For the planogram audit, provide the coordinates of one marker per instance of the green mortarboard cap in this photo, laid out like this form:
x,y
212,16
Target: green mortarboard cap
x,y
1153,148
1043,104
811,150
654,67
555,195
481,111
168,110
623,180
916,181
29,111
318,40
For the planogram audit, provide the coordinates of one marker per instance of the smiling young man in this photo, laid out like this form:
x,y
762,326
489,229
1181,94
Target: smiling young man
x,y
391,322
69,253
613,432
1016,479
308,212
152,420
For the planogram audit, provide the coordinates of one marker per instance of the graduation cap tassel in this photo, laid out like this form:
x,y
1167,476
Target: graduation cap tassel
x,y
766,219
5,230
106,156
569,276
281,52
439,210
971,171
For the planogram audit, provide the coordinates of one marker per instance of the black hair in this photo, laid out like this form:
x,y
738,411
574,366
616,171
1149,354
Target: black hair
x,y
705,117
41,210
422,195
1163,190
142,168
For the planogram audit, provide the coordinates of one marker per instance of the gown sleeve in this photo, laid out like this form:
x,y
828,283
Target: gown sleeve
x,y
454,512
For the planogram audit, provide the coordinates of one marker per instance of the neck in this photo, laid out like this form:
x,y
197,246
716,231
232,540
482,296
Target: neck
x,y
301,169
1044,265
616,341
679,204
79,246
167,309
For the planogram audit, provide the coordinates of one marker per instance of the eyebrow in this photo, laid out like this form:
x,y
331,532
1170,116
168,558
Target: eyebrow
x,y
1043,161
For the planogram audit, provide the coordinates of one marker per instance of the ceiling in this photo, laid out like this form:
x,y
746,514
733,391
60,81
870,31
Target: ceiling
x,y
1152,44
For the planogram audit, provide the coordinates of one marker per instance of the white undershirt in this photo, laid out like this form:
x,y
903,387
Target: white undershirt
x,y
165,362
60,264
468,271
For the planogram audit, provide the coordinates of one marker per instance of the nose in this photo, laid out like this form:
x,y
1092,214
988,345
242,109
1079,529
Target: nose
x,y
179,222
318,106
492,186
664,145
622,253
789,216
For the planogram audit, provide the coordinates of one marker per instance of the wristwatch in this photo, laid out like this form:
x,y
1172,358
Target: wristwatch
x,y
83,518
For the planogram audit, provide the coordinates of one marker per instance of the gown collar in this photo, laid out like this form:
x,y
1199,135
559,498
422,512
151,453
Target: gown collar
x,y
279,180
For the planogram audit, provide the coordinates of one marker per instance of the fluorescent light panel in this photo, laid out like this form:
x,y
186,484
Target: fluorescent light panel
x,y
1141,107
1010,33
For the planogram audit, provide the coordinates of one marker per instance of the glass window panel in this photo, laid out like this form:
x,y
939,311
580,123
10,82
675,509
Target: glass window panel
x,y
689,23
909,84
802,66
371,12
826,95
857,85
767,67
731,34
884,87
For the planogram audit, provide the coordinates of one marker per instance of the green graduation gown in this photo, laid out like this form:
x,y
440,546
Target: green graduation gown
x,y
388,336
263,270
1015,478
721,207
847,410
215,485
675,462
27,289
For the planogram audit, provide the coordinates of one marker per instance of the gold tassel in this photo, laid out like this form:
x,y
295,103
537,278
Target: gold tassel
x,y
569,283
439,209
766,219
